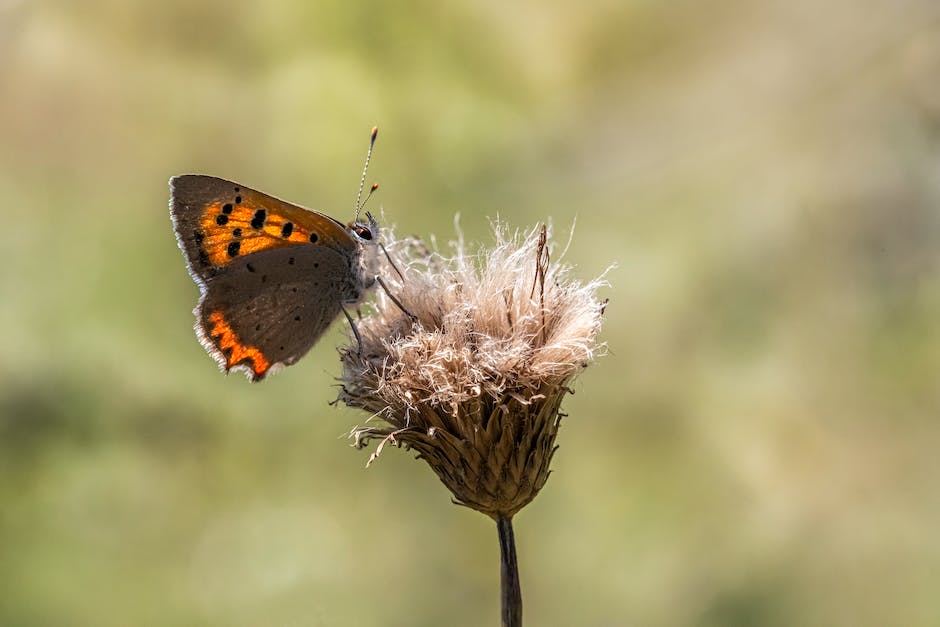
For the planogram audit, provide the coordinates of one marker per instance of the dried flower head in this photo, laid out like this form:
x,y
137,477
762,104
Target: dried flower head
x,y
474,384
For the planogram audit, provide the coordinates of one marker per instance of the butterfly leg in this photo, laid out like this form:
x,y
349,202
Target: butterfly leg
x,y
352,324
391,263
395,300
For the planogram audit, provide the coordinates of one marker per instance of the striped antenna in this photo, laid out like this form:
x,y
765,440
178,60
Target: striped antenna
x,y
365,202
362,181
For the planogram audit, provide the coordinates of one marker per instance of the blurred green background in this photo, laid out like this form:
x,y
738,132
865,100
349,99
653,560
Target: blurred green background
x,y
760,446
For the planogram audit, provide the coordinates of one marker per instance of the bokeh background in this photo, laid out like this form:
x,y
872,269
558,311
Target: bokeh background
x,y
759,447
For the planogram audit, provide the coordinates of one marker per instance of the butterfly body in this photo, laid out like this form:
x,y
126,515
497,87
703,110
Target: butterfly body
x,y
272,275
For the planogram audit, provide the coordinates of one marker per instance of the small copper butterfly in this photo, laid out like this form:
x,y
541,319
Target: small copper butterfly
x,y
272,275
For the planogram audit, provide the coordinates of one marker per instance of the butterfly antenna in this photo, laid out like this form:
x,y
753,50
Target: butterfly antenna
x,y
362,181
375,186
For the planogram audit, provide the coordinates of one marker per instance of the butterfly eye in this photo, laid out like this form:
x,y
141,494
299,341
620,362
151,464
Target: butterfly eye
x,y
362,231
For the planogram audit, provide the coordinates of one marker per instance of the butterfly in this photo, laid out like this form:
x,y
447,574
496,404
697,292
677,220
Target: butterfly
x,y
272,275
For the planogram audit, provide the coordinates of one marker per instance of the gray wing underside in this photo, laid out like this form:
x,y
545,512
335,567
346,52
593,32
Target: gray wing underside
x,y
280,301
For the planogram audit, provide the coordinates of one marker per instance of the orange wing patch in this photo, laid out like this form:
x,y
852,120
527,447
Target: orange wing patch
x,y
231,230
233,350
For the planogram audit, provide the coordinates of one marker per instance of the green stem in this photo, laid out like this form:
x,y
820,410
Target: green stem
x,y
511,594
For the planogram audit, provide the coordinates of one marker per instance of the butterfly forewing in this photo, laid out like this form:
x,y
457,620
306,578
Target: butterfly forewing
x,y
218,221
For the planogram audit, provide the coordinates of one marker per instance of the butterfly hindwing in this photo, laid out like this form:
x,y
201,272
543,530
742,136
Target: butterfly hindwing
x,y
269,308
218,222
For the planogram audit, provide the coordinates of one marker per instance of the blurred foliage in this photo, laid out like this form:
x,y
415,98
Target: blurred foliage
x,y
758,448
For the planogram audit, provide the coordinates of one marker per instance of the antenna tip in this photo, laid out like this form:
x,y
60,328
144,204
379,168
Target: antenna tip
x,y
375,132
375,186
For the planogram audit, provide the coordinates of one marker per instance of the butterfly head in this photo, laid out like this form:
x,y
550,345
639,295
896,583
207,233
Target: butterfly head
x,y
365,233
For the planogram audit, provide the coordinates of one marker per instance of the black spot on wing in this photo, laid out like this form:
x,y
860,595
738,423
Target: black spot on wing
x,y
257,221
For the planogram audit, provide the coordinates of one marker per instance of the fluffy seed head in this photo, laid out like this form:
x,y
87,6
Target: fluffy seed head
x,y
474,384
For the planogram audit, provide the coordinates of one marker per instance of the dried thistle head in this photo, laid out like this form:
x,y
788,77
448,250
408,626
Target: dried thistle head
x,y
475,384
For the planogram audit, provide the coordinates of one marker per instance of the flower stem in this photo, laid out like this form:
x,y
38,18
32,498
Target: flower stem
x,y
511,594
